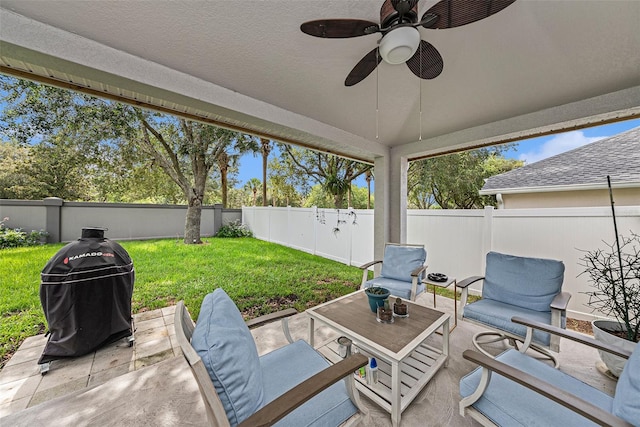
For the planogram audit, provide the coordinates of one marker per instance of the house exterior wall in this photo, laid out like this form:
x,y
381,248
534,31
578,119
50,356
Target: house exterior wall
x,y
569,199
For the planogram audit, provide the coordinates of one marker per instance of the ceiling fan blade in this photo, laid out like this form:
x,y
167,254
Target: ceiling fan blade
x,y
363,68
455,13
339,28
426,63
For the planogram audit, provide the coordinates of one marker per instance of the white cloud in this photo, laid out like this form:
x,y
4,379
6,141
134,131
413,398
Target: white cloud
x,y
558,144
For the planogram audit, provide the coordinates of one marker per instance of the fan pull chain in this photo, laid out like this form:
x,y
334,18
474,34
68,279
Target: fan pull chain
x,y
377,95
420,82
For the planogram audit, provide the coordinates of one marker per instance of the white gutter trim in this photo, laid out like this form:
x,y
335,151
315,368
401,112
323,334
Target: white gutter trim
x,y
555,188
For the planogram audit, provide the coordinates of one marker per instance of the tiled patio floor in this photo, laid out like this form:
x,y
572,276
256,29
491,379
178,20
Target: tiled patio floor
x,y
22,386
151,384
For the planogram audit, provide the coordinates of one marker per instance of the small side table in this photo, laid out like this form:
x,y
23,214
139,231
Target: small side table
x,y
446,284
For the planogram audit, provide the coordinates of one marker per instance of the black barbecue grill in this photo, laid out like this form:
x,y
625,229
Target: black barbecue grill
x,y
85,291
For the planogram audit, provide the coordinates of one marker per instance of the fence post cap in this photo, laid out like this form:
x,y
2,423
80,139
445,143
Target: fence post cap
x,y
53,201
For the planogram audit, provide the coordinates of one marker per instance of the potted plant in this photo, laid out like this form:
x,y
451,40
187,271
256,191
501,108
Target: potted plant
x,y
400,308
377,296
614,273
385,314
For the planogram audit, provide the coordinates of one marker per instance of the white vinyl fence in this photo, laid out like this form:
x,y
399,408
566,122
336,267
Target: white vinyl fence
x,y
456,240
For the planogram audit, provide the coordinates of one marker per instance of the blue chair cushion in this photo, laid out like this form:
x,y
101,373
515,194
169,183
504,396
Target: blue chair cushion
x,y
507,403
226,346
400,261
498,315
396,287
626,403
288,366
530,283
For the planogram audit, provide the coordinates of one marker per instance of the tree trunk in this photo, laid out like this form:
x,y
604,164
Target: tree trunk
x,y
223,165
266,149
223,182
368,191
192,224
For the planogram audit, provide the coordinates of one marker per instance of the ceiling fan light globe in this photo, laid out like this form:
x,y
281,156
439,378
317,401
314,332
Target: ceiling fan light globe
x,y
398,45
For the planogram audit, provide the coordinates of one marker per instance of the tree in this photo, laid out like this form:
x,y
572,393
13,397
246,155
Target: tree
x,y
252,185
334,173
453,181
96,129
15,182
187,151
264,147
319,197
368,176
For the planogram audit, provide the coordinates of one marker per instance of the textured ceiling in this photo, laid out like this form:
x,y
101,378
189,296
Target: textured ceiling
x,y
535,67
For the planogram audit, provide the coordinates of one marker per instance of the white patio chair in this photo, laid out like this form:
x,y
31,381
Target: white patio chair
x,y
291,386
517,286
403,268
515,389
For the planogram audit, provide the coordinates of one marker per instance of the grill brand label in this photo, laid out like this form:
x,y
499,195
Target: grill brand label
x,y
88,254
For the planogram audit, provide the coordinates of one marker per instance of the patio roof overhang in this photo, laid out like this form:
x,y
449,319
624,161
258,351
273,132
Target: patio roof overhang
x,y
532,69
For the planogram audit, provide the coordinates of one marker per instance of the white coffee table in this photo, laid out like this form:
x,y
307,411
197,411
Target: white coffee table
x,y
406,361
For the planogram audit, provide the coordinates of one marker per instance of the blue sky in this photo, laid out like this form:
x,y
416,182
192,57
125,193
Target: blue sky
x,y
529,150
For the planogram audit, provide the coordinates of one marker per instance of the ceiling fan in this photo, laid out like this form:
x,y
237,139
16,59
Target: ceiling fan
x,y
401,41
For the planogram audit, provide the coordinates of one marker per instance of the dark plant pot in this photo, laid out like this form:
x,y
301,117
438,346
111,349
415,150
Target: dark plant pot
x,y
384,315
376,299
400,310
615,364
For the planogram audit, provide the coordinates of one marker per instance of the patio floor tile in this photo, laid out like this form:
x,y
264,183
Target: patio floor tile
x,y
14,406
58,389
151,384
104,375
151,334
19,389
27,354
19,371
34,341
111,357
67,371
144,325
147,315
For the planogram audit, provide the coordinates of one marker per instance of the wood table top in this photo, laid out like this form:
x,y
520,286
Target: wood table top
x,y
352,314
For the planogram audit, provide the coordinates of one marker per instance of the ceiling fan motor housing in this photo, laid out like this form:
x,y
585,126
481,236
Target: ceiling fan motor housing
x,y
389,15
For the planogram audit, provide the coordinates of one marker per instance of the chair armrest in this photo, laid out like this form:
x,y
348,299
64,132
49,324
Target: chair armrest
x,y
271,317
418,271
543,388
280,407
574,336
561,301
469,280
369,264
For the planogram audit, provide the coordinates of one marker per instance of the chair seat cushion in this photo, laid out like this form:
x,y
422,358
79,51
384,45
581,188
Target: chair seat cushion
x,y
226,346
497,315
396,287
288,366
626,403
507,403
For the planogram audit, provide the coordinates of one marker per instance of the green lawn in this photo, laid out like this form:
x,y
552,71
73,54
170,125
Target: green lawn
x,y
260,277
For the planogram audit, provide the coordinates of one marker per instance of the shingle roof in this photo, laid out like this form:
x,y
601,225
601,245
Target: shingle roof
x,y
617,156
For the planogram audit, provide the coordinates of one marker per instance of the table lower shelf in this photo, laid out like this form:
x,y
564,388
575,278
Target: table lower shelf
x,y
415,372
